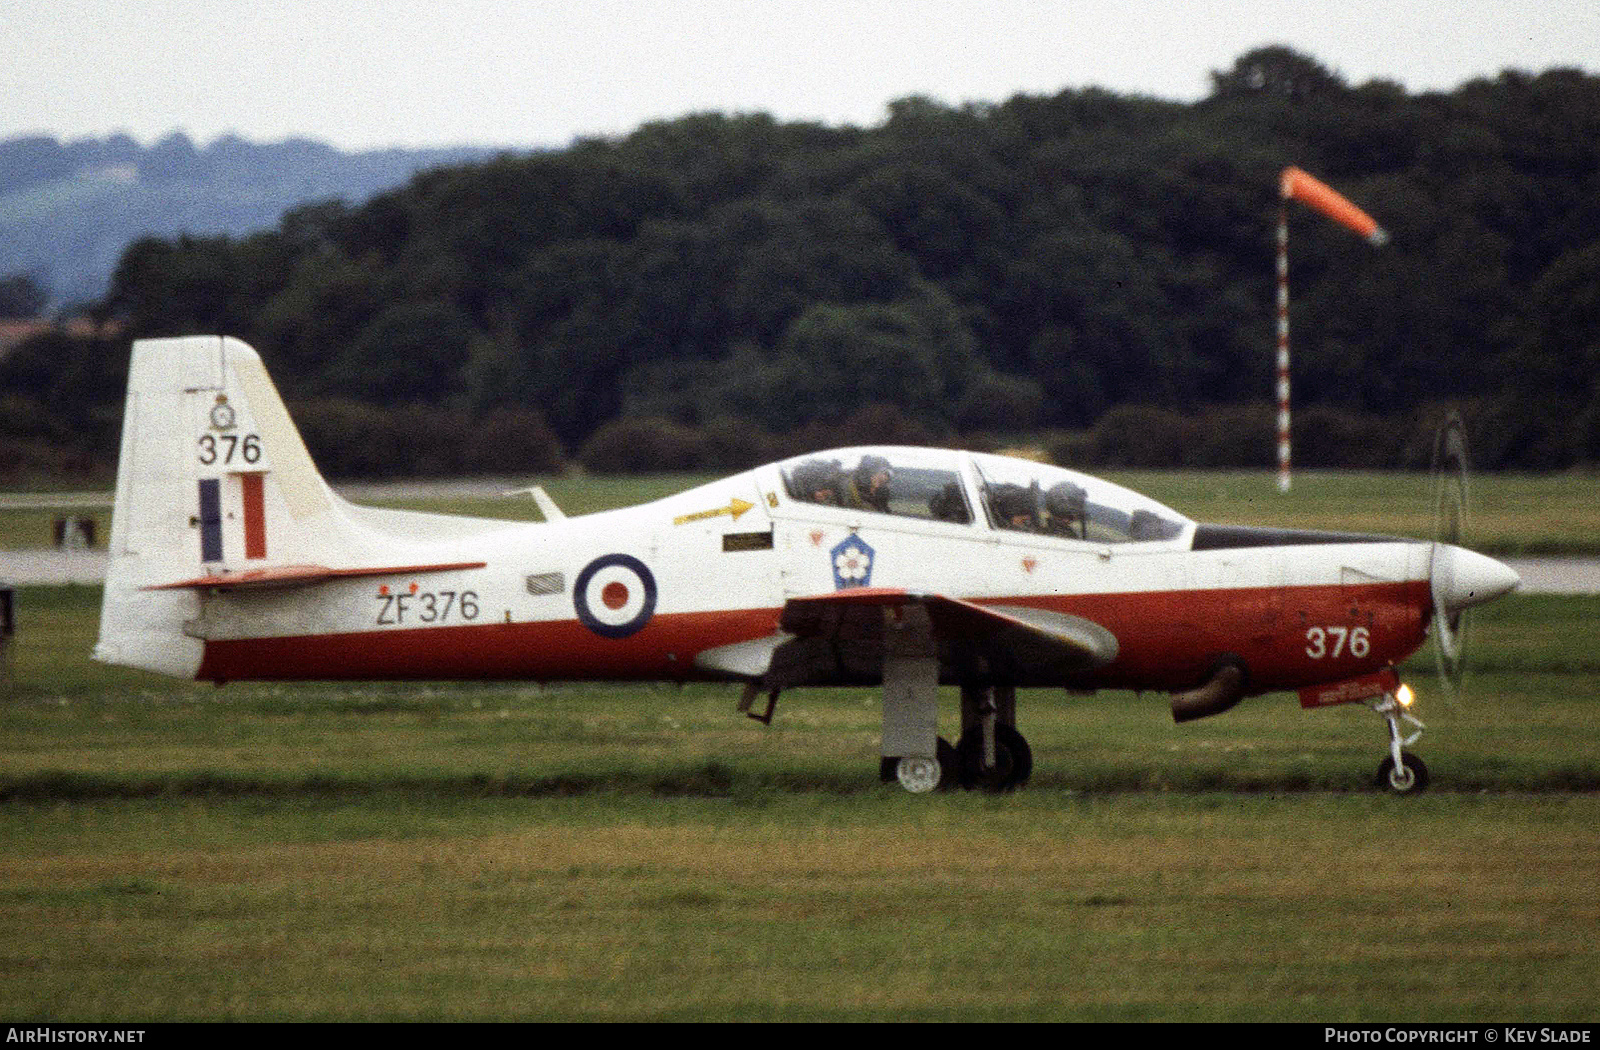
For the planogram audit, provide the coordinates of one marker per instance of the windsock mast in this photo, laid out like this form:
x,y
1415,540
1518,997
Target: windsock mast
x,y
1295,184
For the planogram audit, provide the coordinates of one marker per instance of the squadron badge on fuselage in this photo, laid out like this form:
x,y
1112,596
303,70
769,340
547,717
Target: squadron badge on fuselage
x,y
852,563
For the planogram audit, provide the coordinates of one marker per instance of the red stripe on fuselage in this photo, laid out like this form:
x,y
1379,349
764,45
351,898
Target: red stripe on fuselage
x,y
1166,639
541,651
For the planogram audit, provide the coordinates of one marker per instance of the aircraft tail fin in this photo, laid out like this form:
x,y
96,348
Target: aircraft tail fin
x,y
212,479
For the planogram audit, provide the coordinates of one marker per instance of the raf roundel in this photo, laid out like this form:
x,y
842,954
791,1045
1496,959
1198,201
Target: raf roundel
x,y
615,595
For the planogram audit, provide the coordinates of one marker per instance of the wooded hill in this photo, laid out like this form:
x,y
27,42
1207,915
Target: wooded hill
x,y
69,209
997,267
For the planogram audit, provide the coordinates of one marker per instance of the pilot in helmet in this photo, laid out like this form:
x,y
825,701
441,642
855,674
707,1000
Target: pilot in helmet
x,y
870,486
1014,507
818,481
1065,505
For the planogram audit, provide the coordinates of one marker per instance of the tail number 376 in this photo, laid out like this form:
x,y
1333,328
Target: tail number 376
x,y
226,448
1330,643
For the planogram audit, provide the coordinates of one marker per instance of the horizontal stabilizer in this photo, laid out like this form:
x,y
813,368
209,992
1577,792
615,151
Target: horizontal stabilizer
x,y
301,576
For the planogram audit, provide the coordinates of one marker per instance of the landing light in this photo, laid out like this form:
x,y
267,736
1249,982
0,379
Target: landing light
x,y
1405,695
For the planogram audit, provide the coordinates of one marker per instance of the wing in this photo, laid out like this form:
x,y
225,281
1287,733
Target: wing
x,y
840,638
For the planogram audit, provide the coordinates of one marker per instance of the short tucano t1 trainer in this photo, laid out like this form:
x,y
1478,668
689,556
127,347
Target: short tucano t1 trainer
x,y
231,559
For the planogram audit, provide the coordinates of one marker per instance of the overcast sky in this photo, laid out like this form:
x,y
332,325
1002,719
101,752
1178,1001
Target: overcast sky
x,y
370,73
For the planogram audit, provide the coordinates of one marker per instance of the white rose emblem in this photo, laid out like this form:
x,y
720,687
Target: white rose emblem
x,y
853,564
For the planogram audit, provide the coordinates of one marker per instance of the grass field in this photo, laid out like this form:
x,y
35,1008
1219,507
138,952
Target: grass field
x,y
455,852
1511,514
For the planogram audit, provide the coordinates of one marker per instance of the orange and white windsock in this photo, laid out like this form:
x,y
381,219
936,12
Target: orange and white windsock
x,y
1296,185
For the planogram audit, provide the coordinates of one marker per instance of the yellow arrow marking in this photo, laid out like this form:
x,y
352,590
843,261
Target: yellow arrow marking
x,y
735,507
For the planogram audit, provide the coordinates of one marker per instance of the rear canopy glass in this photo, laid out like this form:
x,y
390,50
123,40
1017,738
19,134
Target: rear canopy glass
x,y
1024,496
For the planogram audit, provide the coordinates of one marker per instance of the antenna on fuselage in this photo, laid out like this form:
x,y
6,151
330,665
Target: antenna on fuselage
x,y
541,498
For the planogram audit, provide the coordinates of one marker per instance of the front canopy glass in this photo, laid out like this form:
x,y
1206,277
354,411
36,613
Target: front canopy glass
x,y
907,482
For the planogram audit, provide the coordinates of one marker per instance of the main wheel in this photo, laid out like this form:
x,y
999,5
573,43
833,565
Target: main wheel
x,y
949,766
1410,779
1013,760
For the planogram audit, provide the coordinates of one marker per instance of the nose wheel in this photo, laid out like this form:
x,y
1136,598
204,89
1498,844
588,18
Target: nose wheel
x,y
1401,772
1407,777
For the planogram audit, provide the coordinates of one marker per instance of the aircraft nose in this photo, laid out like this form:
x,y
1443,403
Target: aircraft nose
x,y
1463,578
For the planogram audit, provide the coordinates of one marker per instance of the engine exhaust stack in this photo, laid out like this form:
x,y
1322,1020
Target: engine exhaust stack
x,y
1224,689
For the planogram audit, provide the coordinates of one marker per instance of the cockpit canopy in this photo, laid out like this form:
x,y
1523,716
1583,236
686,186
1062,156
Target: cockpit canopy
x,y
1010,494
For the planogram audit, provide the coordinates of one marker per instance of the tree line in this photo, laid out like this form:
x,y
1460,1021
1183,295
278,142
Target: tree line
x,y
986,268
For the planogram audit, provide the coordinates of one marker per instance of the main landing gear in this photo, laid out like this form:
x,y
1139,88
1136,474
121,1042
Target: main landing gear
x,y
923,774
991,754
1400,772
994,756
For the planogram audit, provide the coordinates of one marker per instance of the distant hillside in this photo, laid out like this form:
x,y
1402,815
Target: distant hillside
x,y
67,210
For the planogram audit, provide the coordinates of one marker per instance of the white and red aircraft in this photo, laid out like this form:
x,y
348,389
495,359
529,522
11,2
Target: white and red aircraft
x,y
231,558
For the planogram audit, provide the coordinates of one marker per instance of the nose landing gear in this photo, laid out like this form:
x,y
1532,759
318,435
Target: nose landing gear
x,y
1400,772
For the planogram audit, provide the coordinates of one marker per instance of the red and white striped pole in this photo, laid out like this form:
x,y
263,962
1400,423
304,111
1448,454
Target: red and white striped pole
x,y
1295,184
1283,347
